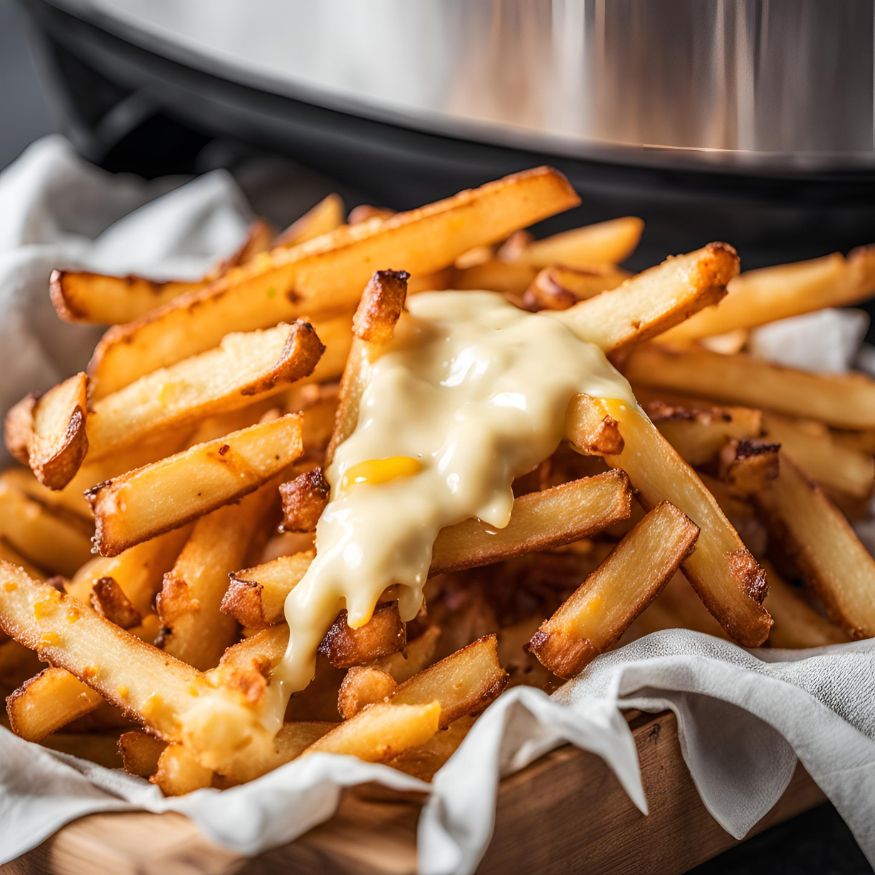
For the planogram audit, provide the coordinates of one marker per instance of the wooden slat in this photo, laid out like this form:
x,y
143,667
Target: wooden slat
x,y
564,813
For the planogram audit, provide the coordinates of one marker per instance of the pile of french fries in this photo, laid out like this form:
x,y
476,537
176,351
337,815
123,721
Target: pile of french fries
x,y
190,455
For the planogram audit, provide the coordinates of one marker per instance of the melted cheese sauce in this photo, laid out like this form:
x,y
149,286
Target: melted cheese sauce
x,y
470,394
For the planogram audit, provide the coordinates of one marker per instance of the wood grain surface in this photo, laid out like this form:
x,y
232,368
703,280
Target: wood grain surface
x,y
564,813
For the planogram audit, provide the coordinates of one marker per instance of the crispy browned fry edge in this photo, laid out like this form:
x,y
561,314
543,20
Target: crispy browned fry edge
x,y
785,290
383,635
167,494
700,433
559,287
590,430
325,274
109,600
603,243
654,301
304,499
797,624
816,537
843,400
381,306
722,570
190,390
140,752
603,606
47,432
320,219
193,628
363,685
747,466
540,521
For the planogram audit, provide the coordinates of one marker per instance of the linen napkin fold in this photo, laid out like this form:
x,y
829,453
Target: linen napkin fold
x,y
744,717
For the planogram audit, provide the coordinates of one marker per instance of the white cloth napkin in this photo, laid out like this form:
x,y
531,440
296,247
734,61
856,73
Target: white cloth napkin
x,y
744,716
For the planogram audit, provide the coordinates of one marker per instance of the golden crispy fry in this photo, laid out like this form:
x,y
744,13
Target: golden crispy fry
x,y
748,466
699,434
424,761
256,596
381,732
656,300
381,306
193,628
416,656
245,368
721,569
773,293
167,494
559,287
602,607
57,542
110,601
817,538
383,635
324,217
304,499
140,752
179,771
47,432
363,685
797,624
843,400
590,430
825,458
605,243
325,275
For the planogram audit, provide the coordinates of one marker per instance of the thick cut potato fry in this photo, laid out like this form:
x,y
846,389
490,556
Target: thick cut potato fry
x,y
590,430
383,635
766,295
699,434
381,306
603,606
797,624
363,685
510,278
558,287
381,732
47,432
304,499
325,275
721,569
748,466
140,752
245,368
817,538
55,541
821,455
540,521
843,400
605,243
83,296
110,601
193,628
652,302
179,771
167,494
322,218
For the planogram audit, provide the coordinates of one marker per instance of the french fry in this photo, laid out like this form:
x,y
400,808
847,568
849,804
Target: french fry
x,y
54,541
179,771
304,499
540,521
415,656
110,601
47,432
559,287
766,295
383,635
699,434
817,538
363,685
507,277
324,217
140,752
721,569
245,368
591,431
168,494
603,606
652,302
325,274
748,466
822,455
797,624
842,400
193,628
605,243
367,212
